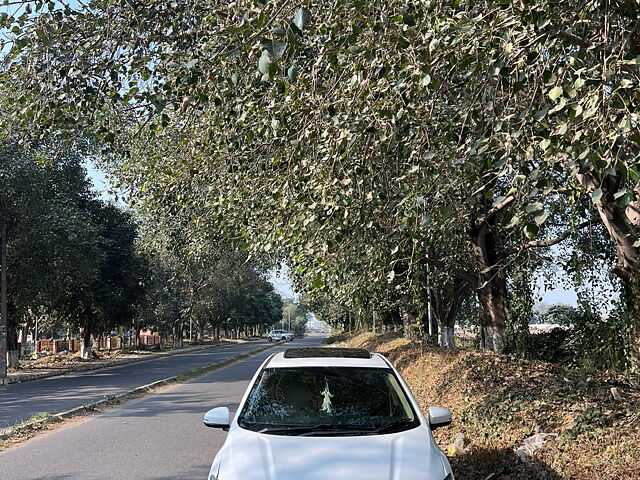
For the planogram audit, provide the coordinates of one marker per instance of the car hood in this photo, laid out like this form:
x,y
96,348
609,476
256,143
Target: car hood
x,y
400,456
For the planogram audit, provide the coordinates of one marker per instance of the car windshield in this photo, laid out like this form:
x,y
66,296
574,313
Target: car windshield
x,y
331,400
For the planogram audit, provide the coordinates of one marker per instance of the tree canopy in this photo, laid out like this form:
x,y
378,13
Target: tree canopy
x,y
399,156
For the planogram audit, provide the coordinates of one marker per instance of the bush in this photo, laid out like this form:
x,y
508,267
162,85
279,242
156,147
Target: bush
x,y
590,342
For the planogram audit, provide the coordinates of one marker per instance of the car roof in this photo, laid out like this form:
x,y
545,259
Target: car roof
x,y
311,357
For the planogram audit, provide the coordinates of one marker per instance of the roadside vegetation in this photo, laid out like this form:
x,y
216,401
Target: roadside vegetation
x,y
500,401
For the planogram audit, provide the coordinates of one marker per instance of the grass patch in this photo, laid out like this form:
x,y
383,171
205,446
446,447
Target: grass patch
x,y
39,416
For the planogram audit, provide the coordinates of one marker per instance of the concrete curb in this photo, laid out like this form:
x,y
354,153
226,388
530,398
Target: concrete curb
x,y
28,377
8,433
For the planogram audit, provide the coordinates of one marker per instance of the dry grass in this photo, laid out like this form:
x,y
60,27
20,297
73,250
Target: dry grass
x,y
498,401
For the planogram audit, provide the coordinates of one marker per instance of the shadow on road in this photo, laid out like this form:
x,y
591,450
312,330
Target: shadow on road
x,y
480,463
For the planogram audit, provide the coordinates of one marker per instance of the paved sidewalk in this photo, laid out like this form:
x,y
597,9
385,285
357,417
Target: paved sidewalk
x,y
38,374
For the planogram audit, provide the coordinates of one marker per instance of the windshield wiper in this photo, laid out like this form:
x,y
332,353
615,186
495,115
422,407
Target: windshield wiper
x,y
338,430
319,429
292,430
391,426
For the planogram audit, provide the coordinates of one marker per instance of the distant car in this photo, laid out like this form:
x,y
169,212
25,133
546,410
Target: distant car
x,y
280,335
347,413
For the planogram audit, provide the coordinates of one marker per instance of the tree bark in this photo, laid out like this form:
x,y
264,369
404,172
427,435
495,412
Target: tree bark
x,y
623,226
446,313
491,287
3,303
13,352
177,335
201,327
85,348
136,339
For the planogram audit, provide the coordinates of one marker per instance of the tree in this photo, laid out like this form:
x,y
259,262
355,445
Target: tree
x,y
294,316
41,199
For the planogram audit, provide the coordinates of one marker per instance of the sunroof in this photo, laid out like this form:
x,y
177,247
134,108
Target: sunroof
x,y
326,352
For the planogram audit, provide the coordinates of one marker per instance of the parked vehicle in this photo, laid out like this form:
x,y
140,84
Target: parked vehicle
x,y
280,335
347,414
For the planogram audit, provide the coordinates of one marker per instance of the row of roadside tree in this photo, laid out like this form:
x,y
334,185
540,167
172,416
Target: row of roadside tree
x,y
77,263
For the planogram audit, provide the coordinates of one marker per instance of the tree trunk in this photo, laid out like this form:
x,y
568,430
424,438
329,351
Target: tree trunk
x,y
446,301
177,335
3,303
623,226
446,338
22,337
13,352
446,325
491,288
201,327
632,300
411,324
136,338
85,348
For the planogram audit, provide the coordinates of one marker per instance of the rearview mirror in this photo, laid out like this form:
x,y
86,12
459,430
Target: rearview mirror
x,y
217,418
439,417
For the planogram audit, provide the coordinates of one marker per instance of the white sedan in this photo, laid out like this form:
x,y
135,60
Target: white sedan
x,y
328,413
280,335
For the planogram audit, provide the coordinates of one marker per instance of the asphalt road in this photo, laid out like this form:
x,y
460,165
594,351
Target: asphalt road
x,y
18,402
160,436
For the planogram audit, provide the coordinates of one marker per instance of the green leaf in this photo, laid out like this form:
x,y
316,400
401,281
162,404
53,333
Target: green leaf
x,y
276,48
555,93
540,218
596,195
540,114
531,231
264,62
535,207
544,144
292,72
302,18
623,198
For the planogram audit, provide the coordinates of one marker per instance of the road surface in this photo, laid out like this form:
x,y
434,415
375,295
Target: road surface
x,y
160,436
18,402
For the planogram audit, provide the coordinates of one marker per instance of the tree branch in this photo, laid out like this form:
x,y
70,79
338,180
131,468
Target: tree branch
x,y
496,209
554,241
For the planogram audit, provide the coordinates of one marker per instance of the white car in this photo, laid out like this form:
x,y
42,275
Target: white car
x,y
328,413
280,335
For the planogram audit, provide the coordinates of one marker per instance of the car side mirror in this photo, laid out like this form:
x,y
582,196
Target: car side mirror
x,y
217,418
439,417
